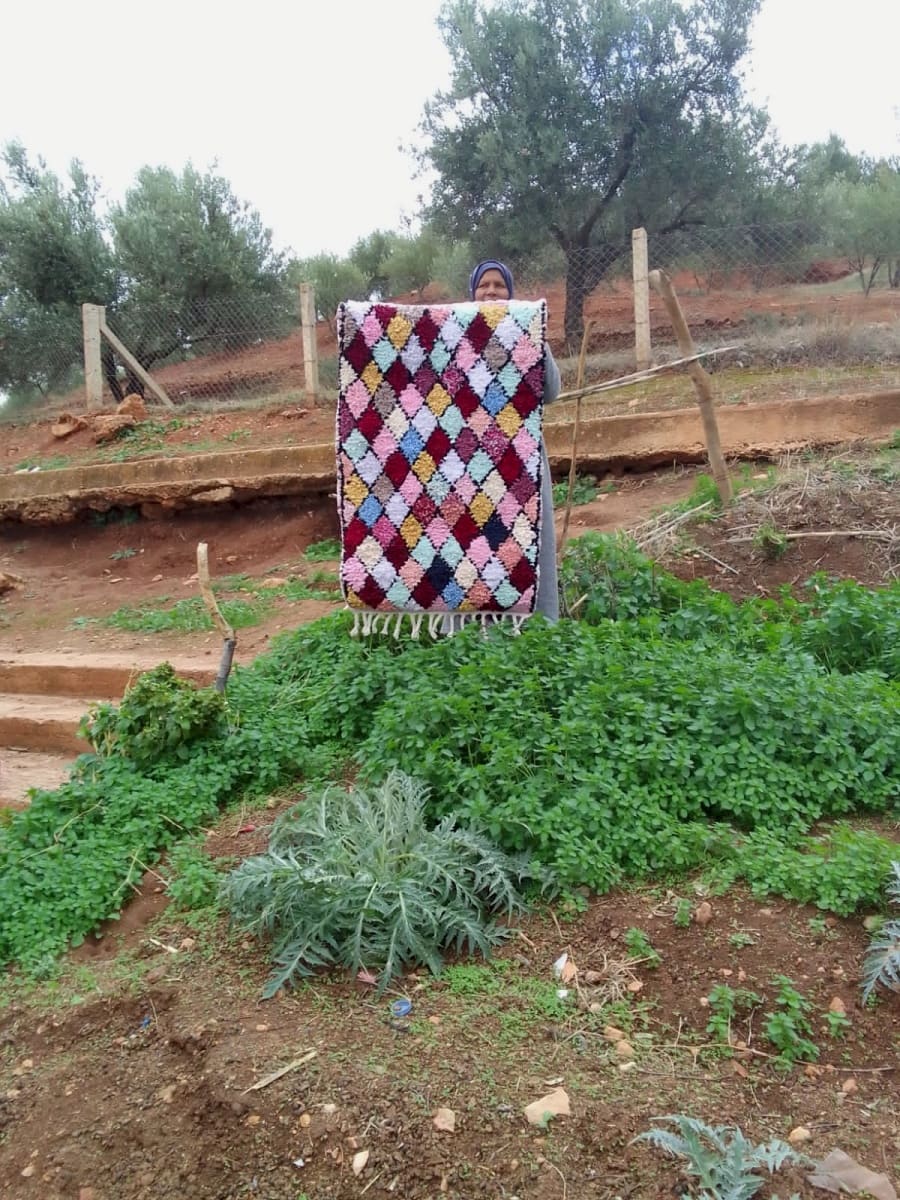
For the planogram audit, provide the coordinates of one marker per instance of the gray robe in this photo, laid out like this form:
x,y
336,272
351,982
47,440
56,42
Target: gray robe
x,y
548,591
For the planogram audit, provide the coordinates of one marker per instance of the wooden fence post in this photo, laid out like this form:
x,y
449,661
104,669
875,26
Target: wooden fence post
x,y
640,264
91,317
702,384
310,346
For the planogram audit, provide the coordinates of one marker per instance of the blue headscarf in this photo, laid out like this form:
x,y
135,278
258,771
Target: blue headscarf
x,y
490,264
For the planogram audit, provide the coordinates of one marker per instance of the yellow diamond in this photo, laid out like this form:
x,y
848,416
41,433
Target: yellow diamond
x,y
481,509
398,331
493,313
355,490
353,599
371,377
410,531
437,400
509,420
424,467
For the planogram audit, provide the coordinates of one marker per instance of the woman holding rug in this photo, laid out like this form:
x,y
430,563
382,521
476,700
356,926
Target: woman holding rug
x,y
492,280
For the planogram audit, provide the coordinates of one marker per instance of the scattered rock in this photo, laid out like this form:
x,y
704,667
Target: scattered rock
x,y
274,581
289,413
703,913
68,424
167,1093
305,1120
849,1087
624,1049
800,1135
359,1161
10,582
872,922
839,1173
156,579
29,1171
445,1120
107,426
133,406
329,1109
253,1120
592,977
86,1193
187,943
554,1104
262,1028
612,1034
214,495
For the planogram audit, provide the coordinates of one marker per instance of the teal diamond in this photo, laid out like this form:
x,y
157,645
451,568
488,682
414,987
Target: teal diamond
x,y
423,552
480,466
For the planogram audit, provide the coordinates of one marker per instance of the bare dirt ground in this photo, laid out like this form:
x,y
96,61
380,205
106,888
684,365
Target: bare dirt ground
x,y
128,1077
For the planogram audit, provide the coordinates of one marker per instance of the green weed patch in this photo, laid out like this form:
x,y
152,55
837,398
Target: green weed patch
x,y
670,730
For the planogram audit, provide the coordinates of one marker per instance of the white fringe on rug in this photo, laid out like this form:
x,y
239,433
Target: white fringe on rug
x,y
366,622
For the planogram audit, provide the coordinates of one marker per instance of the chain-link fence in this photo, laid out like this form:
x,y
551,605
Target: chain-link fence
x,y
793,303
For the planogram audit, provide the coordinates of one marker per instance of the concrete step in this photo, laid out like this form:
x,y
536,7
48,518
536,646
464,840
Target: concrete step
x,y
45,723
21,770
98,675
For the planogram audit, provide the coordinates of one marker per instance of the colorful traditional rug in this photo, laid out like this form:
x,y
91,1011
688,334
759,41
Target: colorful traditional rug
x,y
439,460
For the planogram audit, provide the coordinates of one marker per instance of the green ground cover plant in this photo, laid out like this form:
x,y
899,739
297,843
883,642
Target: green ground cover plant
x,y
671,730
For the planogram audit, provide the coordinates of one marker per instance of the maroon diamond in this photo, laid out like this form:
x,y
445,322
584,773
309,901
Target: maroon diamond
x,y
523,488
424,509
466,444
397,376
466,401
354,535
396,468
522,575
465,530
369,424
427,332
438,445
396,552
424,379
423,593
357,353
510,467
479,333
370,593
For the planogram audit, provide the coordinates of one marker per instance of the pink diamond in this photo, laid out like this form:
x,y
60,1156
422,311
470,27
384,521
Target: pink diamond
x,y
411,400
371,329
525,354
465,489
385,444
525,444
479,421
508,509
384,530
437,532
411,573
479,552
358,398
509,553
353,573
466,356
410,489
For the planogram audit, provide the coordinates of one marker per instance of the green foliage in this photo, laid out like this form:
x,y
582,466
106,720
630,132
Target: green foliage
x,y
788,1028
323,551
704,494
640,947
864,222
357,878
723,1160
334,279
770,541
194,880
527,148
583,491
726,1004
882,961
187,616
161,715
837,1023
682,915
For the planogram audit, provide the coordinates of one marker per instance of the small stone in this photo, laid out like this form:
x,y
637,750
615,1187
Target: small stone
x,y
329,1109
596,1007
445,1120
359,1161
800,1135
166,1094
253,1120
261,1028
187,943
554,1104
624,1049
849,1087
156,579
592,977
703,913
305,1120
612,1034
29,1171
871,923
635,986
838,1006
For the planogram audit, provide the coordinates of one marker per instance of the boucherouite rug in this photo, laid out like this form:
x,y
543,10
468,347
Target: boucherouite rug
x,y
439,461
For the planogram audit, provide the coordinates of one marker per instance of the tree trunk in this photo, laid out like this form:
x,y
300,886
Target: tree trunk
x,y
586,267
110,374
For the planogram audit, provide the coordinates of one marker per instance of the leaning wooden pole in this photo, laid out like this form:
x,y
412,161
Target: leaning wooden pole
x,y
209,599
576,429
661,283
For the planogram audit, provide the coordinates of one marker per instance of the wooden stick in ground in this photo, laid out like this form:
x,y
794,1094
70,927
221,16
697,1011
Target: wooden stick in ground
x,y
662,284
228,635
576,428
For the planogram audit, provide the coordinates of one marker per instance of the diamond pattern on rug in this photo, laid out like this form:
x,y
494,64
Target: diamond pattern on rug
x,y
438,455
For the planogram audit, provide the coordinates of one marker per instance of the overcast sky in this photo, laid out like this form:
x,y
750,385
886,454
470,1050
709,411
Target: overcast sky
x,y
304,106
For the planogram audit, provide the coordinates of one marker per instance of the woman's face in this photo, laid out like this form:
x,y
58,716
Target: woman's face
x,y
491,286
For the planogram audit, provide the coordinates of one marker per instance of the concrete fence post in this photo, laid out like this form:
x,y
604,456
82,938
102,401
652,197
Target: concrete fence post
x,y
640,271
91,319
310,347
